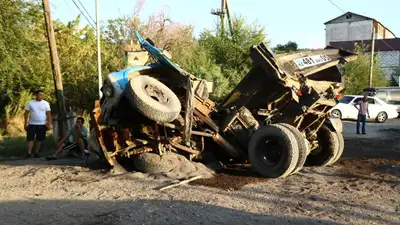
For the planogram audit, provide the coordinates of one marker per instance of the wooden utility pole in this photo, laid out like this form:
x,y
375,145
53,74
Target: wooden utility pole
x,y
222,16
55,66
221,13
98,33
228,13
372,57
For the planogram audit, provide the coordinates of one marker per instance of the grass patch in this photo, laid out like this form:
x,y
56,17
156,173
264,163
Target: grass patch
x,y
16,147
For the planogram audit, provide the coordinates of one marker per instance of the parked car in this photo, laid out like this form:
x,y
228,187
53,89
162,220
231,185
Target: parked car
x,y
390,95
378,109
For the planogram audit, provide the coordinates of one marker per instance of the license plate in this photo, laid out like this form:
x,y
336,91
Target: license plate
x,y
311,61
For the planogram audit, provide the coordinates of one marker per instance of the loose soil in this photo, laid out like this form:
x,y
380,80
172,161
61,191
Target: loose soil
x,y
362,188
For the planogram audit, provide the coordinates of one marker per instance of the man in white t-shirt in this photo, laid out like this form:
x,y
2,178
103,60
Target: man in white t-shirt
x,y
39,114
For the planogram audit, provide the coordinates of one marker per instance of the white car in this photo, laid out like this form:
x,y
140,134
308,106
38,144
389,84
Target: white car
x,y
378,109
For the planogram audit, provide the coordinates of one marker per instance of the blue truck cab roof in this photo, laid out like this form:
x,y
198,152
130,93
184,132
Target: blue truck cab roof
x,y
122,76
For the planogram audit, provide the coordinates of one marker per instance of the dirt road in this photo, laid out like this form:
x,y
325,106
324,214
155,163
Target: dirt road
x,y
362,188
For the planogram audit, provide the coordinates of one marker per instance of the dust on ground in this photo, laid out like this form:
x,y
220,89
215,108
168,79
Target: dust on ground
x,y
362,188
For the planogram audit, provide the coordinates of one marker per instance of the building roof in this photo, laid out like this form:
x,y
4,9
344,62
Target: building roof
x,y
381,45
364,17
347,13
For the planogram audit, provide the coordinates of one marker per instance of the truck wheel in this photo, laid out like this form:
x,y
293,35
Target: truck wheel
x,y
273,151
341,148
153,99
304,148
327,150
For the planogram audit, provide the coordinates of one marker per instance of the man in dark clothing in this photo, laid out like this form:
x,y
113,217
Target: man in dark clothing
x,y
79,134
362,107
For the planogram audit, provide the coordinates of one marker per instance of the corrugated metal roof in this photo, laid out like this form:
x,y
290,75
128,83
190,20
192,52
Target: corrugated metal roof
x,y
381,45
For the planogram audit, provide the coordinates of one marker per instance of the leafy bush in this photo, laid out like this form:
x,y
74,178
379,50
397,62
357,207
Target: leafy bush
x,y
356,73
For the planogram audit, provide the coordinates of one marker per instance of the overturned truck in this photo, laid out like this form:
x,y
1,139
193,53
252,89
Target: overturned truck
x,y
276,118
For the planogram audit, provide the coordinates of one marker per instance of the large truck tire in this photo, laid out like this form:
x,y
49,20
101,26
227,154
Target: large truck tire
x,y
273,151
341,148
153,99
328,148
304,147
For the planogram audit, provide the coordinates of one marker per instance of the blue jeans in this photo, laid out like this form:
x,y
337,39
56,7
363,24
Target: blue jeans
x,y
361,118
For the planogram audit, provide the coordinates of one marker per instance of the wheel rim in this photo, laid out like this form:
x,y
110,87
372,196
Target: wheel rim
x,y
336,114
269,152
155,93
381,117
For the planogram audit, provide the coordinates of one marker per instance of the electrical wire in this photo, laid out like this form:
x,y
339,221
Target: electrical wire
x,y
83,14
86,11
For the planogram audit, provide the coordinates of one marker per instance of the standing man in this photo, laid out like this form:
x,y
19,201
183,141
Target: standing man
x,y
362,107
37,121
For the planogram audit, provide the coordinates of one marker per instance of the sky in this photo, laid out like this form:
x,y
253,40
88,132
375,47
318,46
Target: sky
x,y
301,21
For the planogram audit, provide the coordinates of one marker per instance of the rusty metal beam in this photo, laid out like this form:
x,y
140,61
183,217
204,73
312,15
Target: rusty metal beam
x,y
200,133
184,148
206,120
231,150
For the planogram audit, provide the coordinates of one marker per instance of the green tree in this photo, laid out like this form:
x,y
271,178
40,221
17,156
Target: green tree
x,y
230,52
22,49
78,62
356,73
291,46
25,61
394,78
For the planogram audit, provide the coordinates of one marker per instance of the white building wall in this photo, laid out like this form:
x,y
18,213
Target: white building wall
x,y
348,31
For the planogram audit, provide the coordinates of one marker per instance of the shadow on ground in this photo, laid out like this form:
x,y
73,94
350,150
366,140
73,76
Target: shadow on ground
x,y
140,211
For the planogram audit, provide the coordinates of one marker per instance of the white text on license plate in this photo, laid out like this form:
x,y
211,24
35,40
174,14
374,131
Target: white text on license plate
x,y
311,61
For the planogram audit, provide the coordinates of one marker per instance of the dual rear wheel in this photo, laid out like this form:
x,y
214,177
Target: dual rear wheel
x,y
280,150
277,150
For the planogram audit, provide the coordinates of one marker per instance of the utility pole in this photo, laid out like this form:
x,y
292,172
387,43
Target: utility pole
x,y
372,57
228,13
222,16
98,33
55,66
221,13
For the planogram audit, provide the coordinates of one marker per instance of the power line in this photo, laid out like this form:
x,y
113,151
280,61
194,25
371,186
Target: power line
x,y
119,10
336,5
83,14
86,11
383,40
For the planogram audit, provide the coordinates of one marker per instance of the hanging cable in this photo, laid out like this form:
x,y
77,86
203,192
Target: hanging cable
x,y
87,11
84,15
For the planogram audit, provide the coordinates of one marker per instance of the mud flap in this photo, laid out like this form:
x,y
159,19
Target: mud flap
x,y
335,124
